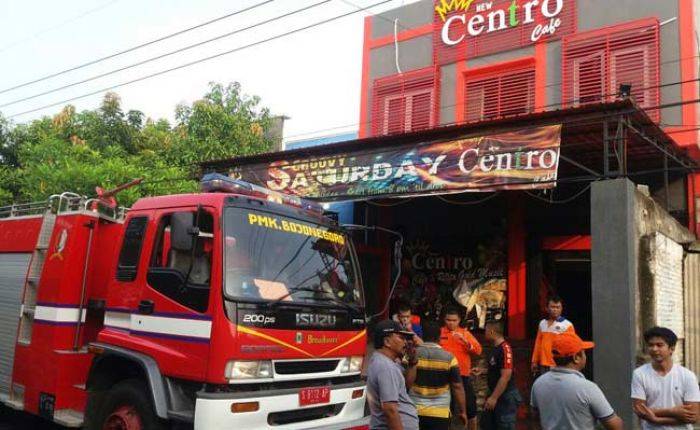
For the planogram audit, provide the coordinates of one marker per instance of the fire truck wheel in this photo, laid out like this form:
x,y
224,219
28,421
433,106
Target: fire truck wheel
x,y
127,406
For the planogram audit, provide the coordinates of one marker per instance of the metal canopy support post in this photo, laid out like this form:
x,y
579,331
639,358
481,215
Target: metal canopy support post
x,y
623,144
666,192
606,150
620,146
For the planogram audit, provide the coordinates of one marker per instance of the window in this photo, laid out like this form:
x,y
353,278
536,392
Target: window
x,y
498,95
127,265
408,112
631,66
180,264
597,62
404,103
589,79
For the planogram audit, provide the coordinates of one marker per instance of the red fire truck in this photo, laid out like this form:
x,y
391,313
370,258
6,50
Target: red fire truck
x,y
232,308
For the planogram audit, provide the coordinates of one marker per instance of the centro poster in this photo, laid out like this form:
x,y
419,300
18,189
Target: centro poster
x,y
522,159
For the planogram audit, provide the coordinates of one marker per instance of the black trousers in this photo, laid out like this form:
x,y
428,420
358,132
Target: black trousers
x,y
503,417
469,396
432,423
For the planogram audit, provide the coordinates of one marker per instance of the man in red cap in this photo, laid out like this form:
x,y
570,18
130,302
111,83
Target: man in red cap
x,y
564,398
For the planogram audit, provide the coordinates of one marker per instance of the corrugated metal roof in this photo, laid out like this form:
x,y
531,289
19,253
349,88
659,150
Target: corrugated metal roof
x,y
582,138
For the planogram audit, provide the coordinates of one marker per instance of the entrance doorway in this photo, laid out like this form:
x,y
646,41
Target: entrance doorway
x,y
569,276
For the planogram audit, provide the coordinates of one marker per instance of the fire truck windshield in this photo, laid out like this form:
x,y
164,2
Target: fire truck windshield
x,y
273,258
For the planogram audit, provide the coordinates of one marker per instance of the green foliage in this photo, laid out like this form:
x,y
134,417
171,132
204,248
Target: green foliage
x,y
78,151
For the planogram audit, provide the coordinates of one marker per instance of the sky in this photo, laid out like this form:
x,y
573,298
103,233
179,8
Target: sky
x,y
313,76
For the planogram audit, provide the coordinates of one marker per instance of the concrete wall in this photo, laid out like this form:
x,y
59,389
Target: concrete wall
x,y
591,14
622,221
614,280
409,16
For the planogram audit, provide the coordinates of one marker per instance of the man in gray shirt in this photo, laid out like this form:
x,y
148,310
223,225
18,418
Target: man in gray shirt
x,y
564,398
391,407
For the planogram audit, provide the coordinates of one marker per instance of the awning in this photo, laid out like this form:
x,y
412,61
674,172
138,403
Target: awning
x,y
530,151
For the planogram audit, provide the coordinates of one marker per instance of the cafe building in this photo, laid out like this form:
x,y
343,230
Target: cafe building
x,y
522,149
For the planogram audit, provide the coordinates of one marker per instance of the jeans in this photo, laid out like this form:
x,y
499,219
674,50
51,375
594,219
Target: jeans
x,y
503,417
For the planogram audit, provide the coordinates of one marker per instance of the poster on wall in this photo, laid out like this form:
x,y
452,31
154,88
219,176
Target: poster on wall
x,y
472,276
520,159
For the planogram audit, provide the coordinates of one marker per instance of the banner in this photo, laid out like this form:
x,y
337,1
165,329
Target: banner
x,y
523,159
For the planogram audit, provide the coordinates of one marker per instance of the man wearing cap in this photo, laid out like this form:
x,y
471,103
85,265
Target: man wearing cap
x,y
388,399
564,398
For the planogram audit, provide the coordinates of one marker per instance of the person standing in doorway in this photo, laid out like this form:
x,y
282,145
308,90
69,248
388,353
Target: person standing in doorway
x,y
437,382
564,398
389,403
554,325
501,406
463,345
664,395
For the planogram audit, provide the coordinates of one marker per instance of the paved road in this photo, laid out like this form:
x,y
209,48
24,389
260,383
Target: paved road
x,y
13,420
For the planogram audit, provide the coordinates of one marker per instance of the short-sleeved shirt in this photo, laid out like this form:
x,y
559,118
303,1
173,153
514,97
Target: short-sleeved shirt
x,y
385,383
677,387
430,392
501,357
565,399
462,350
546,332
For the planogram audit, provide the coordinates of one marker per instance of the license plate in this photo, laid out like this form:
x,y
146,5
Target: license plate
x,y
314,396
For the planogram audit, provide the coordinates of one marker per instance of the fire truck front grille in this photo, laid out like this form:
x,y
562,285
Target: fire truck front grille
x,y
305,366
301,415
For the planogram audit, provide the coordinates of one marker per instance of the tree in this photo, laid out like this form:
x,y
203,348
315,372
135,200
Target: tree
x,y
77,151
224,124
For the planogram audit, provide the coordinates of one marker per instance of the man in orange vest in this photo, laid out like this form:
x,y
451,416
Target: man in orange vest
x,y
462,344
552,326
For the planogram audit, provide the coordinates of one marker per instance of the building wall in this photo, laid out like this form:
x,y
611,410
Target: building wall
x,y
415,51
625,276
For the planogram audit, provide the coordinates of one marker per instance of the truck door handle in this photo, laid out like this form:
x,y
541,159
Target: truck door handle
x,y
146,307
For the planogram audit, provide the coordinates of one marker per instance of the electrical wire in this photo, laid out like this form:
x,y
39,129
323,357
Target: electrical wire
x,y
134,48
201,60
390,205
55,27
559,202
532,109
473,203
308,152
167,54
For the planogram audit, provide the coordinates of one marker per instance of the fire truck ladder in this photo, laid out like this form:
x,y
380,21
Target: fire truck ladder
x,y
55,204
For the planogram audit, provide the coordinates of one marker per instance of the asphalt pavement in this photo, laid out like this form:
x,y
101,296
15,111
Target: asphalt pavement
x,y
13,420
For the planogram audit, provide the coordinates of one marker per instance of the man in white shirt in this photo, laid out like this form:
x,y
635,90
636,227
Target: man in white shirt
x,y
665,395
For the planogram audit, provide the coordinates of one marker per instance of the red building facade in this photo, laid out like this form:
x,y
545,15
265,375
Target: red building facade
x,y
436,63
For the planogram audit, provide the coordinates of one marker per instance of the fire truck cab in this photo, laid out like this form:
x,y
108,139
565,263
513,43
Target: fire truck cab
x,y
232,308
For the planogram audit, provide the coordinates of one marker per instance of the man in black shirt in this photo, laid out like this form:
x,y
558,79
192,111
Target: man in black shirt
x,y
501,407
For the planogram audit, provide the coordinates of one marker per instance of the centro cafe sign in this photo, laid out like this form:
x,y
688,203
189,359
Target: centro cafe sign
x,y
488,18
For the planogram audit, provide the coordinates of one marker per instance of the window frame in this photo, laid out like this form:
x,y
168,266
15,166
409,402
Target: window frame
x,y
408,109
157,250
494,75
129,273
404,86
577,72
646,78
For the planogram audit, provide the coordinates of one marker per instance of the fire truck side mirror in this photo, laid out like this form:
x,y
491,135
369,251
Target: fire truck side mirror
x,y
180,227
